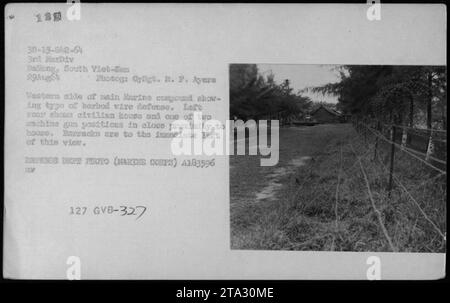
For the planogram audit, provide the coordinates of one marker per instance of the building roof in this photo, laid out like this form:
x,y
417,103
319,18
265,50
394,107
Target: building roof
x,y
329,110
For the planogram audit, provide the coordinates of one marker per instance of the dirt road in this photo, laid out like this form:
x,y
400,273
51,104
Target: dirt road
x,y
253,187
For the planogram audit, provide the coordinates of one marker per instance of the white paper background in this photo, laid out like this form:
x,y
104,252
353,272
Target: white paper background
x,y
186,235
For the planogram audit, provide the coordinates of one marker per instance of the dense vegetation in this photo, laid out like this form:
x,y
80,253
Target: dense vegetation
x,y
253,96
409,95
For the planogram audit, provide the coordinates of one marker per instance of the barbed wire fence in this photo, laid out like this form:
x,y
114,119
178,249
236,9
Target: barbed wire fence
x,y
413,162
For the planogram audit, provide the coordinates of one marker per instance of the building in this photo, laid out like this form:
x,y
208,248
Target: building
x,y
326,115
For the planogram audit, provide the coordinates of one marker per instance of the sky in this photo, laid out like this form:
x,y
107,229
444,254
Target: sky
x,y
303,75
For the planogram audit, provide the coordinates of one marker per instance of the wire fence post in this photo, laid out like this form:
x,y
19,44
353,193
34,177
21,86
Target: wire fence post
x,y
430,147
391,167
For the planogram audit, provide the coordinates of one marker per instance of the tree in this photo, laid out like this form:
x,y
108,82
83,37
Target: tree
x,y
395,93
254,97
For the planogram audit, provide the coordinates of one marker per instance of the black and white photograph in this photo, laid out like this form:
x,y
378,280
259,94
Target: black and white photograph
x,y
362,158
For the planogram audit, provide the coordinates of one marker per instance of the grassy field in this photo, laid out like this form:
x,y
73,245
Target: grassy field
x,y
316,198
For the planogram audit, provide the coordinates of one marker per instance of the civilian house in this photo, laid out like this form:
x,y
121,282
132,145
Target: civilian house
x,y
326,115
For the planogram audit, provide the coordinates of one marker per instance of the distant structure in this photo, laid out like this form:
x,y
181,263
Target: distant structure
x,y
324,114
